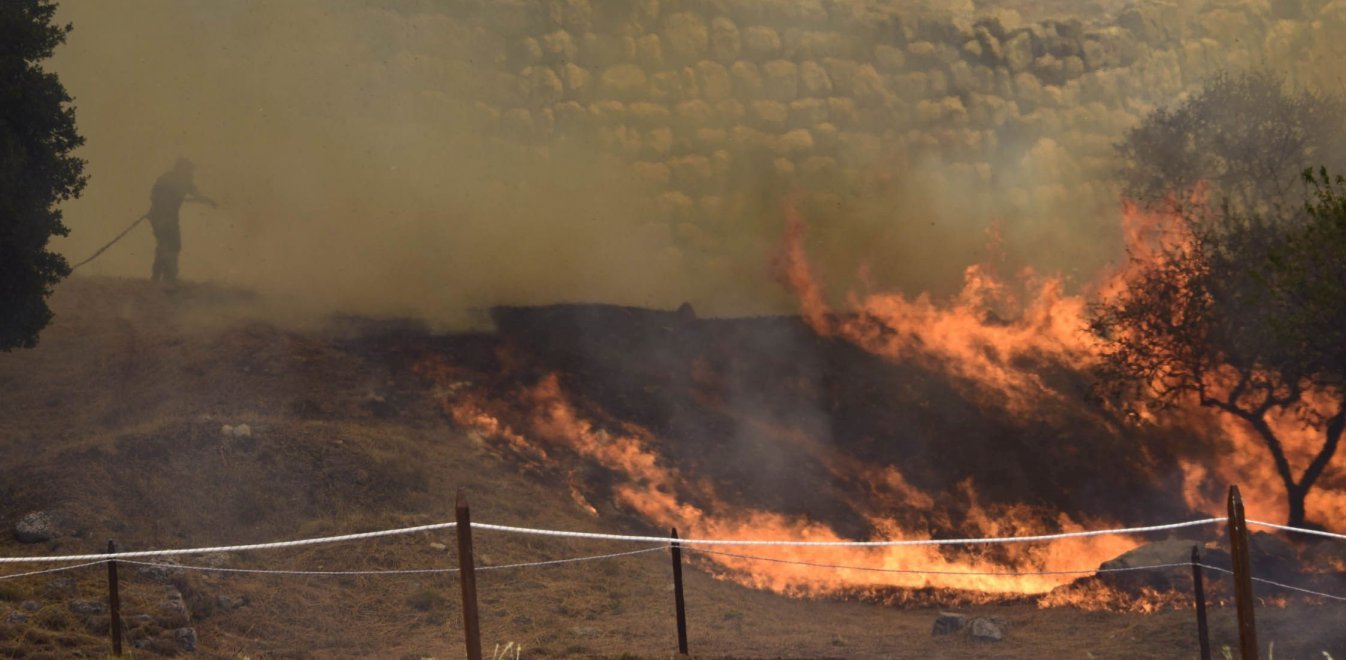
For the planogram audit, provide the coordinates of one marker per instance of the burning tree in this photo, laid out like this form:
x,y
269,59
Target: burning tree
x,y
1239,303
1245,316
37,134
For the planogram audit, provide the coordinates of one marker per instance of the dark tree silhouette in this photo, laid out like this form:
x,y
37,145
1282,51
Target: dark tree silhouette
x,y
1246,137
1244,316
37,170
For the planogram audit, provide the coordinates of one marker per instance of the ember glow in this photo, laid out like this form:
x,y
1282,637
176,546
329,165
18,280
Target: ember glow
x,y
995,340
549,423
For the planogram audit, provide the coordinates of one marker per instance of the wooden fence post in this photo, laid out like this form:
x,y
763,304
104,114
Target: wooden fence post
x,y
467,577
114,602
1243,575
1198,585
679,603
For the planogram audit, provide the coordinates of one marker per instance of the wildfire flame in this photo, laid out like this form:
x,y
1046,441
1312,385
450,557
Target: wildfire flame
x,y
993,338
545,421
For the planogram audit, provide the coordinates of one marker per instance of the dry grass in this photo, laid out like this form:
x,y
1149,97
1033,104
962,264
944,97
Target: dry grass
x,y
116,417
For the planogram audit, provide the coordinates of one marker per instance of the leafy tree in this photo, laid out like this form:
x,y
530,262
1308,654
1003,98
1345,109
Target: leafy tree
x,y
1243,315
1245,137
37,135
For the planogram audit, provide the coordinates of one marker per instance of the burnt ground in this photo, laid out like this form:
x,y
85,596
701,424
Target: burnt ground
x,y
114,421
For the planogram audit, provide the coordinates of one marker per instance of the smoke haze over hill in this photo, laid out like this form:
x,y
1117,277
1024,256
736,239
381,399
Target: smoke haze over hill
x,y
409,158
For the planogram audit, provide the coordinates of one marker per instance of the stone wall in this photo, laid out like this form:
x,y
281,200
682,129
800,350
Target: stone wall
x,y
716,104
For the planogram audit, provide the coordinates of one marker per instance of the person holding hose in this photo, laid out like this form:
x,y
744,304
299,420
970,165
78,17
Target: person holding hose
x,y
166,198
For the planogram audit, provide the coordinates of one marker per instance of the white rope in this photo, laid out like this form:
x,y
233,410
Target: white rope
x,y
1278,584
229,548
610,537
410,571
941,572
553,562
266,571
836,544
58,569
1301,530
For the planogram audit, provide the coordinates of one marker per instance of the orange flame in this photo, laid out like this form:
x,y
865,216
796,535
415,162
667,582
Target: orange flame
x,y
545,418
986,337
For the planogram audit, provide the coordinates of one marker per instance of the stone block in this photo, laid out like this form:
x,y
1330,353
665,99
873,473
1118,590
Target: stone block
x,y
646,113
922,53
710,139
559,47
713,80
813,80
937,83
769,115
571,117
1027,91
606,50
745,138
607,113
805,113
825,136
658,142
798,142
841,72
691,88
760,43
841,111
666,86
889,58
962,79
1019,52
725,40
730,111
747,80
576,15
720,162
781,80
867,86
577,82
649,52
695,112
686,38
623,82
525,52
691,172
947,623
800,44
911,86
544,86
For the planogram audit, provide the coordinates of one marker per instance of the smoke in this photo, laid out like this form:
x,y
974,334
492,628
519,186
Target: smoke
x,y
349,169
367,165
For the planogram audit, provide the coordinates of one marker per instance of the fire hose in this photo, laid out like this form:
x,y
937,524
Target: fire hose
x,y
110,243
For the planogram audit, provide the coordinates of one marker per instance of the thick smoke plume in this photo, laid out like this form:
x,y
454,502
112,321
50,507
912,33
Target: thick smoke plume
x,y
431,159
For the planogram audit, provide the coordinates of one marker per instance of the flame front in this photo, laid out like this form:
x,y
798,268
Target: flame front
x,y
1001,344
544,421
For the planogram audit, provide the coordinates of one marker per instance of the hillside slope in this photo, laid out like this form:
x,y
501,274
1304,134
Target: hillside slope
x,y
114,424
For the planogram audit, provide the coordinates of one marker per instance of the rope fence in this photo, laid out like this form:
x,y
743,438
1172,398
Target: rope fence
x,y
629,538
849,544
876,569
228,548
1278,584
1237,526
410,571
